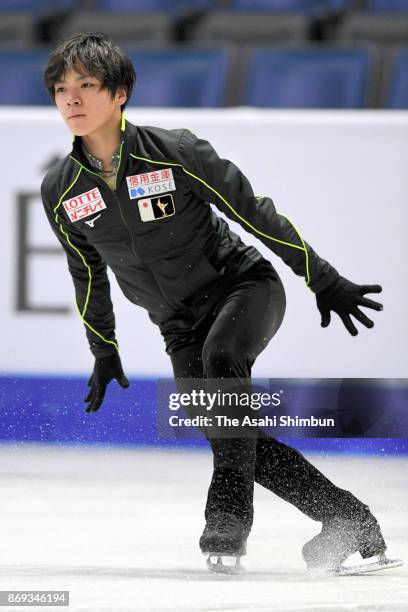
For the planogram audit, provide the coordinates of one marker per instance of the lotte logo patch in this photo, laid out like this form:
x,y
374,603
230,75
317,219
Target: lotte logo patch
x,y
151,209
84,205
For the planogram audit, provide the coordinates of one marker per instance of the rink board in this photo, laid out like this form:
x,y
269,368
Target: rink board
x,y
44,409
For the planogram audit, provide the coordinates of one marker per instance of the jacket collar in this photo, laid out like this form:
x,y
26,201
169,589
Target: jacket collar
x,y
126,130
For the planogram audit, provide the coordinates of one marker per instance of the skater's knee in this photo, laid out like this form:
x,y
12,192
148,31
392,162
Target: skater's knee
x,y
222,360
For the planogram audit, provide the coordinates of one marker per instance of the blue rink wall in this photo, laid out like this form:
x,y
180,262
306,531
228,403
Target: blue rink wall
x,y
52,410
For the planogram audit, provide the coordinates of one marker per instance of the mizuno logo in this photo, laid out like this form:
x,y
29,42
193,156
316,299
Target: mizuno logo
x,y
92,221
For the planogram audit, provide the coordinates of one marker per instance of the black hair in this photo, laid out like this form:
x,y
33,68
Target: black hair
x,y
92,53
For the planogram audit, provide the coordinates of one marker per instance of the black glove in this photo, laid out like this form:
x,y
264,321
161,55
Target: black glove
x,y
344,297
105,370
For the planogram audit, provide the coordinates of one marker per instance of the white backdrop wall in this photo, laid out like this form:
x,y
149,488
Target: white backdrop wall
x,y
341,177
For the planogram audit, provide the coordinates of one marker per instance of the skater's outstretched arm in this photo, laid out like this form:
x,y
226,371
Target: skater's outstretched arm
x,y
221,182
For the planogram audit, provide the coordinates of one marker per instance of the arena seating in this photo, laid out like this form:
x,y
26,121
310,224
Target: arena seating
x,y
398,82
21,77
168,6
374,28
201,52
127,29
195,78
36,6
299,6
17,31
312,78
387,6
252,28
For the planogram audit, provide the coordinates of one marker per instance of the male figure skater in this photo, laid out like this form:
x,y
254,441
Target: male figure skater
x,y
136,199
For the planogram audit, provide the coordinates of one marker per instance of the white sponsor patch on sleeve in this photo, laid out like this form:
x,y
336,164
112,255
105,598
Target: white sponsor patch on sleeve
x,y
83,205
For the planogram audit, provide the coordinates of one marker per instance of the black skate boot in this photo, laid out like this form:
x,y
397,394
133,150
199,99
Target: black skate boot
x,y
224,541
340,538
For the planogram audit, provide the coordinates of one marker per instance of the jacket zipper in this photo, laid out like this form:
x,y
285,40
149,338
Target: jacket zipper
x,y
105,184
132,244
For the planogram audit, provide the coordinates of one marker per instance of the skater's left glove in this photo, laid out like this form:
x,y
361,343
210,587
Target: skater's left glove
x,y
344,297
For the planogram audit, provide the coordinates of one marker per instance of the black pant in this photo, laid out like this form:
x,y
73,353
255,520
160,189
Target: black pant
x,y
225,345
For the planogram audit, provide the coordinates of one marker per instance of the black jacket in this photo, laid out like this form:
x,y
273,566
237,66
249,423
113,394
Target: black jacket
x,y
168,250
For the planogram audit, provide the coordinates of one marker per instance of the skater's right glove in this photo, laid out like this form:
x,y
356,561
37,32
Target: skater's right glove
x,y
105,370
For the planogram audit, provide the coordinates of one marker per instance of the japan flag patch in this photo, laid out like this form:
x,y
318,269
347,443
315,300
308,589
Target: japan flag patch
x,y
152,209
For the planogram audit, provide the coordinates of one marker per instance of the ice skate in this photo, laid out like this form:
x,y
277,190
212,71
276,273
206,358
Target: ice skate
x,y
340,538
382,563
224,542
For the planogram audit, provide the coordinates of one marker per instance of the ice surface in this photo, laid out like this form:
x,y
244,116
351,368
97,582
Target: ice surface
x,y
119,529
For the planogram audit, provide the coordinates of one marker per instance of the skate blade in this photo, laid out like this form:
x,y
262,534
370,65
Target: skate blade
x,y
224,564
367,568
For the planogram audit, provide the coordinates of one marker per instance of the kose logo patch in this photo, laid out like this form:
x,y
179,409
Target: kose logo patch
x,y
150,183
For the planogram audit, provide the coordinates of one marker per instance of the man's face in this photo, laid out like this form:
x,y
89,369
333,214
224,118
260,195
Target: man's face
x,y
85,106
